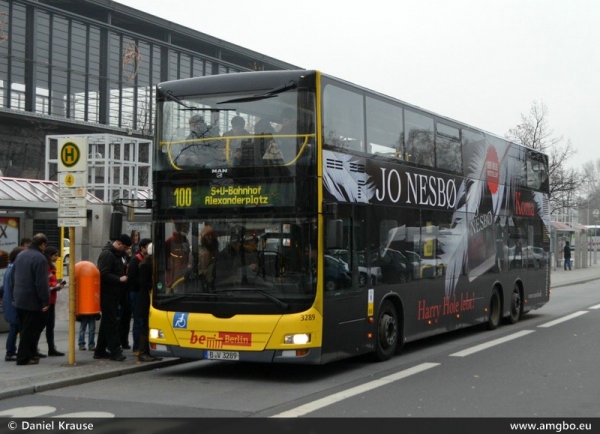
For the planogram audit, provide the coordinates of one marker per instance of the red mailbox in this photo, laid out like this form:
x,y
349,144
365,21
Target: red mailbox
x,y
87,288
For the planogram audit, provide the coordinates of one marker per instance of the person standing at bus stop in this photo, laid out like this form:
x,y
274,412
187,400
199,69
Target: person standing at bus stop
x,y
113,281
133,282
51,254
9,309
142,308
567,255
31,292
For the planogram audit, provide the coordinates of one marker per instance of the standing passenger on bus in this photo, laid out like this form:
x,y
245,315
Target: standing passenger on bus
x,y
209,248
178,254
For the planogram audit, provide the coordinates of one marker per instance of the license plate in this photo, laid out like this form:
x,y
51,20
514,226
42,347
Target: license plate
x,y
221,355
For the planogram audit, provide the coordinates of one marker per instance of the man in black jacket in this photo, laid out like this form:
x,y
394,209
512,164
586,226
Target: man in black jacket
x,y
113,282
31,292
133,281
567,255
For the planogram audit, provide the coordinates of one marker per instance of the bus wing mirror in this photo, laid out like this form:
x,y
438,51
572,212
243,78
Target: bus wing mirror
x,y
334,235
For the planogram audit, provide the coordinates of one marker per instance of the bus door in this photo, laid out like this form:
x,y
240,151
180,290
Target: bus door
x,y
345,286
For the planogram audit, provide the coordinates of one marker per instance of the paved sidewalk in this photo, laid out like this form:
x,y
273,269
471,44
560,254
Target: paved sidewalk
x,y
559,277
56,372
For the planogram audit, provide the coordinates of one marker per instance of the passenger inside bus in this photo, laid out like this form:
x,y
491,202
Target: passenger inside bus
x,y
238,128
238,261
289,126
207,253
178,254
288,122
196,150
269,148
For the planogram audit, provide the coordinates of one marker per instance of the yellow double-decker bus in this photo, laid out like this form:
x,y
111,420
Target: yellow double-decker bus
x,y
299,218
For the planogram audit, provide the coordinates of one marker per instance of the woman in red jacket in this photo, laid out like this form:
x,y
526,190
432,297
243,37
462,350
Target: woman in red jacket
x,y
51,254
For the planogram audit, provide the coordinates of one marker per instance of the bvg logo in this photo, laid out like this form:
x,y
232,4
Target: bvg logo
x,y
70,154
221,339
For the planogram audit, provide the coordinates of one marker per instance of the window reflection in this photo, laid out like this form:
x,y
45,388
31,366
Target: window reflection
x,y
419,139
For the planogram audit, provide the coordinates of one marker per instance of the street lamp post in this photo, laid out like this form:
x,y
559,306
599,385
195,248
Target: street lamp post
x,y
596,214
587,232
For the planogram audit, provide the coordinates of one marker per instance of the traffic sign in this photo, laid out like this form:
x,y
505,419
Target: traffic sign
x,y
72,202
72,222
72,154
72,212
71,192
72,179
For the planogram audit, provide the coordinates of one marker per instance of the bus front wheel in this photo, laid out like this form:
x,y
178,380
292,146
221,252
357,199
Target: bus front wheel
x,y
387,332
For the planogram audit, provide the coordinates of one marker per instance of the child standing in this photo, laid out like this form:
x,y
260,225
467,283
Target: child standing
x,y
87,322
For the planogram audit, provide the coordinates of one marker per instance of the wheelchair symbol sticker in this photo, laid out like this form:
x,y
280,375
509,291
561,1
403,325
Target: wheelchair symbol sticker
x,y
180,320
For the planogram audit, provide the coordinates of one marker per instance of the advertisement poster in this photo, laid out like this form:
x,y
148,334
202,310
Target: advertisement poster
x,y
9,239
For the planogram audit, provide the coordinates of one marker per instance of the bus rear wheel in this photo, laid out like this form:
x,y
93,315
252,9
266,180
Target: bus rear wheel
x,y
494,311
516,305
387,332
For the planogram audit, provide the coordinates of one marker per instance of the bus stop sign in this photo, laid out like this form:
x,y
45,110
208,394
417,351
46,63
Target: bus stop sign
x,y
72,154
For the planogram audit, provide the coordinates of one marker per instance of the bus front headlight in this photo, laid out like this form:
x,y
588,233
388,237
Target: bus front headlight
x,y
298,339
156,334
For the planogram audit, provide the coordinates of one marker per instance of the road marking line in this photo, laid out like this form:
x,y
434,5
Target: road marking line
x,y
489,344
595,307
29,411
563,319
336,397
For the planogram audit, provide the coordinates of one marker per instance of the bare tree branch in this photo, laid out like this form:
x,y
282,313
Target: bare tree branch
x,y
534,132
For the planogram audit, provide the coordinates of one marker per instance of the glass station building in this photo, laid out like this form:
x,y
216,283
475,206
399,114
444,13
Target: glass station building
x,y
90,67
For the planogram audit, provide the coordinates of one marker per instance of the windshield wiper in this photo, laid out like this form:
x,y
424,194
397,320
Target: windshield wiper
x,y
169,95
270,297
183,296
273,298
270,94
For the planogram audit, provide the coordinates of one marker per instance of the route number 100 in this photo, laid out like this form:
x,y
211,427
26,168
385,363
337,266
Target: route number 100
x,y
183,196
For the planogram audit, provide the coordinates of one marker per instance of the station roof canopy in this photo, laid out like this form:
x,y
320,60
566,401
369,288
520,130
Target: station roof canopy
x,y
33,193
562,227
579,227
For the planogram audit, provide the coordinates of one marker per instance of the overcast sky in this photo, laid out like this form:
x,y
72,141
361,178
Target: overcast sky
x,y
481,62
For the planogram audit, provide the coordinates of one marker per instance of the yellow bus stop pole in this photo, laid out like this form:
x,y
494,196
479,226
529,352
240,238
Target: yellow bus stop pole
x,y
72,295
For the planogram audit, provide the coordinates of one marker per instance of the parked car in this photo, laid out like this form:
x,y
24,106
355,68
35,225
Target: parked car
x,y
337,273
366,275
395,267
416,262
425,268
541,252
530,257
66,251
533,258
